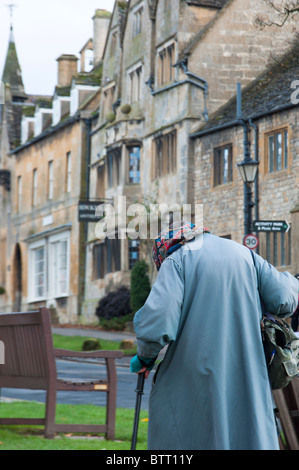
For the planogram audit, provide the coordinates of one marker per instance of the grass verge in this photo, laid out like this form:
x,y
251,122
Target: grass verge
x,y
74,343
32,437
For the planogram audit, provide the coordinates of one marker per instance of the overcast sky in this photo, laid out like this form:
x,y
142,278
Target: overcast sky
x,y
43,30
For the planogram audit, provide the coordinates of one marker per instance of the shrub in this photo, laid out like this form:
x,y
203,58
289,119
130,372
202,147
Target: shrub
x,y
91,344
140,285
114,309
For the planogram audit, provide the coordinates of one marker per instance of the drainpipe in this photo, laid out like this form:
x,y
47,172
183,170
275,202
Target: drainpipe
x,y
82,276
256,181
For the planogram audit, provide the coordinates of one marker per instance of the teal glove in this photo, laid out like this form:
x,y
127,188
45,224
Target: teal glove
x,y
137,363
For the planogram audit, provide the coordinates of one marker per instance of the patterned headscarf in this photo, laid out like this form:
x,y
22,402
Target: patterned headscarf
x,y
173,238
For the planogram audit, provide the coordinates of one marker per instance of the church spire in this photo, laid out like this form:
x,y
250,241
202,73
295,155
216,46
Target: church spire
x,y
12,74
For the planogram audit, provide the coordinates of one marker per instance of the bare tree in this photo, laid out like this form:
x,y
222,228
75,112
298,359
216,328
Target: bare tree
x,y
280,11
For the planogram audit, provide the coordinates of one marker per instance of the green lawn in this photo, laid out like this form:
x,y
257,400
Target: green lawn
x,y
74,343
32,437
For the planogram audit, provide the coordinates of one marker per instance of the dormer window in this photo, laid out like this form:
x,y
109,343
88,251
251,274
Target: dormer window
x,y
61,107
79,93
43,119
27,128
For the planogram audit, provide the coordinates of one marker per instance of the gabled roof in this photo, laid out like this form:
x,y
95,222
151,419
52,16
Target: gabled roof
x,y
195,39
269,93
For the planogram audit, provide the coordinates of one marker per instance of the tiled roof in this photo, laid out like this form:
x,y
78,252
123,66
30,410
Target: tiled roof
x,y
270,92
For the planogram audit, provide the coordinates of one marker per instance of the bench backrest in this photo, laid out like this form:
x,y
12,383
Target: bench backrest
x,y
28,350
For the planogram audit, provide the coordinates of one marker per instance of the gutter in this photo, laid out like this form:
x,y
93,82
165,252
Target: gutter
x,y
236,122
45,134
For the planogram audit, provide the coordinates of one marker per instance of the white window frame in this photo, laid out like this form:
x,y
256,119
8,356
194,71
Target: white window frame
x,y
68,172
55,241
34,187
51,270
50,179
32,271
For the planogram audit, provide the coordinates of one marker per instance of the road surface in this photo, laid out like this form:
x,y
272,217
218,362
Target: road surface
x,y
126,385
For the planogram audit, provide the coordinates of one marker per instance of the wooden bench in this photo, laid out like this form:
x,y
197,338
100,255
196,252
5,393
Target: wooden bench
x,y
287,403
30,363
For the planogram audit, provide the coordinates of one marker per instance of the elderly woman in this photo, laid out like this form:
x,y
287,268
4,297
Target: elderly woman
x,y
211,391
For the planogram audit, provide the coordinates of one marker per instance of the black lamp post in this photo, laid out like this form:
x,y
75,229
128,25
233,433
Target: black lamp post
x,y
248,169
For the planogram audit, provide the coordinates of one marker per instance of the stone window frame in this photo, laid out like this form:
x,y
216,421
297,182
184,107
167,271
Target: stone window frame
x,y
275,247
134,83
106,257
137,20
271,163
130,178
166,58
50,179
218,165
114,167
165,154
133,252
34,187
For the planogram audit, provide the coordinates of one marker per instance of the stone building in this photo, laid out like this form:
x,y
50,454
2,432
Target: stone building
x,y
168,65
14,100
144,124
44,240
269,117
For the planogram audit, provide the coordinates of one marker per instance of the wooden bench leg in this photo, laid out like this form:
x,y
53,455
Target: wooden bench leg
x,y
286,420
111,399
50,413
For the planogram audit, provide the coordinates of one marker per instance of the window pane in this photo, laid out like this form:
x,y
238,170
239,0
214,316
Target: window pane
x,y
225,166
271,153
278,151
133,252
134,165
285,149
39,272
62,267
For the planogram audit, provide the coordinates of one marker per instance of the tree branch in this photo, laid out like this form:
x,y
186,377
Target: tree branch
x,y
282,13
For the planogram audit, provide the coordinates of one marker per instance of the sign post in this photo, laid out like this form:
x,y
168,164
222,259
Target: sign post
x,y
87,211
271,226
251,241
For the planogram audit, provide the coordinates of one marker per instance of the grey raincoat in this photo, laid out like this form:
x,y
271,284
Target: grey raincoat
x,y
211,391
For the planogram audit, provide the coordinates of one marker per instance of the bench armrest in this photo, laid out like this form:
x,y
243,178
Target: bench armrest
x,y
88,354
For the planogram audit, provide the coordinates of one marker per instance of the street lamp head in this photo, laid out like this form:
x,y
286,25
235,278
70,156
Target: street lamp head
x,y
247,170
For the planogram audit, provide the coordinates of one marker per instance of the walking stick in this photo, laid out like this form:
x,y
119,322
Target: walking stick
x,y
139,391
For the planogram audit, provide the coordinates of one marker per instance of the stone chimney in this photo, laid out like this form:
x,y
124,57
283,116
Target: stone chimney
x,y
101,21
67,67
